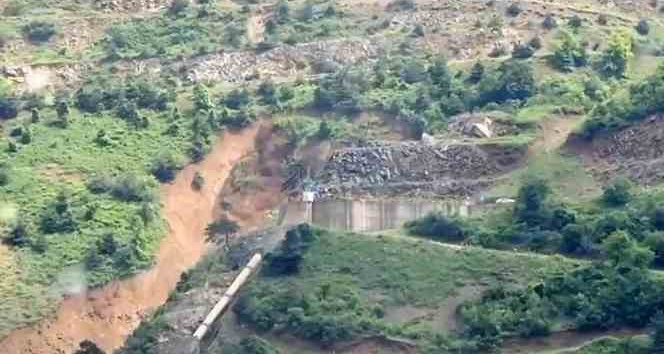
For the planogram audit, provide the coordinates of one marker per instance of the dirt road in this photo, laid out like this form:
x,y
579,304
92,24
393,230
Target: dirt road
x,y
109,314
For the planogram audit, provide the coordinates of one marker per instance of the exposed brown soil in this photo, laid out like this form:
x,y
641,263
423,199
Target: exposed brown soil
x,y
109,314
635,152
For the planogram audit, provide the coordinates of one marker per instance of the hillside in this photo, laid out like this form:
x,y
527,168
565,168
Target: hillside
x,y
129,126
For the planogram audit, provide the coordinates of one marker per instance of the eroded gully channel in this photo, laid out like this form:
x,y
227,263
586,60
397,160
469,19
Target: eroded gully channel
x,y
107,315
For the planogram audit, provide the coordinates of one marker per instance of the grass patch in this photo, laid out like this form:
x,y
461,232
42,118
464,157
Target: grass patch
x,y
567,176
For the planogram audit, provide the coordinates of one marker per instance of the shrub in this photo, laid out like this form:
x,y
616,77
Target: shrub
x,y
401,5
128,188
18,236
439,227
618,192
655,242
514,9
603,19
287,258
4,174
549,22
198,181
476,72
39,31
58,217
418,31
569,53
575,22
613,61
535,43
522,51
643,27
8,107
178,6
237,99
165,166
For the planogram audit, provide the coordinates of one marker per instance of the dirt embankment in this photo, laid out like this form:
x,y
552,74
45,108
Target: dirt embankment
x,y
636,152
416,169
109,314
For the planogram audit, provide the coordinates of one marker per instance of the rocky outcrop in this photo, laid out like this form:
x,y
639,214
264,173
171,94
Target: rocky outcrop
x,y
416,169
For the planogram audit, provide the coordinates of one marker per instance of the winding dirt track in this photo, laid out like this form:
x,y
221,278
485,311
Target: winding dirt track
x,y
109,314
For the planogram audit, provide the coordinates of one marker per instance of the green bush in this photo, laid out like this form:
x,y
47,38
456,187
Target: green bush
x,y
618,192
58,217
128,188
643,27
569,53
165,166
39,31
438,226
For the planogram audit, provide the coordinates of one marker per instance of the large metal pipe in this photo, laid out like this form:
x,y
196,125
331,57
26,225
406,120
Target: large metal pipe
x,y
228,296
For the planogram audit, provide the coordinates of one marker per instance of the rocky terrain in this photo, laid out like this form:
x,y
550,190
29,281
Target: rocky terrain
x,y
416,169
635,152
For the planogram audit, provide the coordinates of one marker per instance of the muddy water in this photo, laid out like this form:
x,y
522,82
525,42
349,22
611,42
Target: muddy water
x,y
109,314
369,215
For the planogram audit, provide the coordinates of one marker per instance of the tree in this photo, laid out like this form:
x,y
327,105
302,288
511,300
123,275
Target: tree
x,y
476,72
569,53
62,110
223,226
530,206
618,193
202,101
613,61
26,137
622,250
35,116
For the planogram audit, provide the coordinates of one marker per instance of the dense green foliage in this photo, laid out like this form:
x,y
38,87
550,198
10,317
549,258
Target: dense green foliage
x,y
639,101
423,92
597,297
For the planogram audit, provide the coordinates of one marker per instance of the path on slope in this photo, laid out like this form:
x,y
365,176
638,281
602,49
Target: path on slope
x,y
109,314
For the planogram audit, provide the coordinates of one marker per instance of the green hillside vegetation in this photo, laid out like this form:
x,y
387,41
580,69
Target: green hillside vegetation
x,y
329,287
